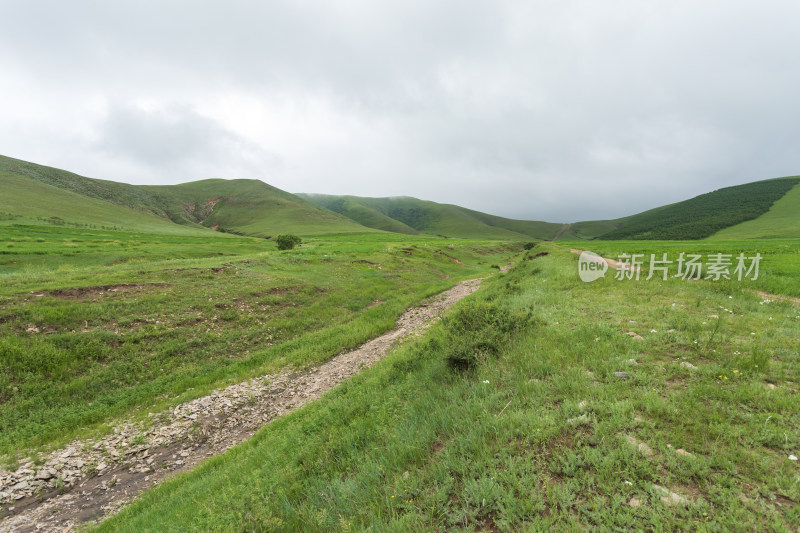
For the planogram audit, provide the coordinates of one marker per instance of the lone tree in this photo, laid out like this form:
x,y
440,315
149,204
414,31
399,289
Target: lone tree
x,y
287,242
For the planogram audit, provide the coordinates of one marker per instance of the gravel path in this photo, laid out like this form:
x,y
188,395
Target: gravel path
x,y
88,480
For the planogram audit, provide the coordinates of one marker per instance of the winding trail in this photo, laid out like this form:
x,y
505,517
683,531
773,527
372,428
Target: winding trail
x,y
565,228
99,477
613,263
781,297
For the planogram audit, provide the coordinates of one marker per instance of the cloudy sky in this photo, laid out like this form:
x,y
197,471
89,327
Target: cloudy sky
x,y
557,110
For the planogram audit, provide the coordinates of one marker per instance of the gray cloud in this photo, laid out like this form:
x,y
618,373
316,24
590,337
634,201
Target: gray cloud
x,y
529,109
176,137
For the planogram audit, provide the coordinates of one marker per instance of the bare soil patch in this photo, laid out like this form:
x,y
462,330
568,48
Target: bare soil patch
x,y
98,290
450,257
768,296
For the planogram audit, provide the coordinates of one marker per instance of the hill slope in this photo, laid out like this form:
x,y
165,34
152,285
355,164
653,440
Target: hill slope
x,y
352,208
407,215
36,193
248,207
696,218
32,193
781,221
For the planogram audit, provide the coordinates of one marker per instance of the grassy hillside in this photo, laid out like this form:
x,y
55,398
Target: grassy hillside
x,y
566,423
433,218
703,215
781,221
352,208
248,207
588,229
27,198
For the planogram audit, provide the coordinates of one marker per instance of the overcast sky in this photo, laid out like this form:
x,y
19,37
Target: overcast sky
x,y
556,110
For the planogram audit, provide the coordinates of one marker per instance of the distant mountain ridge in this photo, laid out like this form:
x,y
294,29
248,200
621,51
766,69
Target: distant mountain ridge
x,y
761,209
410,215
247,207
696,218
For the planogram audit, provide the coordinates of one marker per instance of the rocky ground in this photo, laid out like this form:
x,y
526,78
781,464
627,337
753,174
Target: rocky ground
x,y
88,480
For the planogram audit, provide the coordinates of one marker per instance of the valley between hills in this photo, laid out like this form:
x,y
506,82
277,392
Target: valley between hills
x,y
408,365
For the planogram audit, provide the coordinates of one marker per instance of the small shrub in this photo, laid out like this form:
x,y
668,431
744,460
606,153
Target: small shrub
x,y
512,287
287,242
529,245
476,332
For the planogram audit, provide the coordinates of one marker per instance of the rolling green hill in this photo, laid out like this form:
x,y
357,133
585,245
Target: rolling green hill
x,y
706,215
589,229
352,208
40,194
37,195
410,215
247,207
781,221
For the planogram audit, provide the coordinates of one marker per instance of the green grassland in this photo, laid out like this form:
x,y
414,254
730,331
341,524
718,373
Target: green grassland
x,y
507,415
704,215
248,207
251,207
354,209
28,200
778,269
781,221
588,230
534,434
411,215
95,324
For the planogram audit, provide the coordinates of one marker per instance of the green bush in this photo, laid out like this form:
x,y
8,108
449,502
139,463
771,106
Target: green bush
x,y
287,242
477,330
529,245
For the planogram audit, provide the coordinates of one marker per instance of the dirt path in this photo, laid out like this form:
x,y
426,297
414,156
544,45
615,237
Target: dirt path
x,y
88,480
612,263
781,297
565,228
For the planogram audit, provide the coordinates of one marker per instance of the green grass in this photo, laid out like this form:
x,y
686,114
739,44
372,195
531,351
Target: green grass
x,y
251,207
414,445
781,221
248,207
97,324
778,271
410,215
254,208
701,216
589,229
26,200
506,416
353,208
